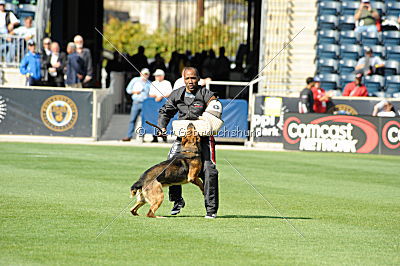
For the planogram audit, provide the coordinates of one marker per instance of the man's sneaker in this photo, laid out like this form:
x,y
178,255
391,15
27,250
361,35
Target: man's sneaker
x,y
210,216
178,205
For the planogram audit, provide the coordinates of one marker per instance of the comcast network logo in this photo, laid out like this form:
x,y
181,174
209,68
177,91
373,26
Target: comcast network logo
x,y
3,108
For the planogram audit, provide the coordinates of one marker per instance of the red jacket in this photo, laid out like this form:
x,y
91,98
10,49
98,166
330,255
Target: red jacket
x,y
354,90
319,106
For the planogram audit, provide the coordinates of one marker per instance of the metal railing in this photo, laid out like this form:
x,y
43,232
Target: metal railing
x,y
12,50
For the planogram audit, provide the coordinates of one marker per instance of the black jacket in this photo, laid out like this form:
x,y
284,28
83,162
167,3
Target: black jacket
x,y
62,59
175,103
306,101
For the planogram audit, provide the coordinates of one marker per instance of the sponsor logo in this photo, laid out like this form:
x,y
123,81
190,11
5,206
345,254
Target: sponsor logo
x,y
331,133
59,113
391,135
344,109
267,126
3,109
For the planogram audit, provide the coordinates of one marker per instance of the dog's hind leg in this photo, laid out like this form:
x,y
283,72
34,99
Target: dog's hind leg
x,y
197,181
154,196
139,203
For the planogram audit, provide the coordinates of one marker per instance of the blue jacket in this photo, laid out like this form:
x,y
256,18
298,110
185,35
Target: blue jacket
x,y
143,85
30,64
75,65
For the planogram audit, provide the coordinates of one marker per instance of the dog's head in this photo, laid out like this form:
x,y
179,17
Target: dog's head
x,y
191,141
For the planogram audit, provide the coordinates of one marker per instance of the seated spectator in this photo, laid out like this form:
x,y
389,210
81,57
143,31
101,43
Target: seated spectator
x,y
27,31
56,66
8,21
366,17
356,88
369,64
30,65
160,88
75,68
306,102
321,98
384,109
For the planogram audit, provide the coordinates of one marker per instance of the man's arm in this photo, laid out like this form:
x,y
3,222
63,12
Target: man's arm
x,y
23,67
167,112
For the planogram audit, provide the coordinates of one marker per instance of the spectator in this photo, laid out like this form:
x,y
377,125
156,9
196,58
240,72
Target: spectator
x,y
56,65
222,66
30,65
321,98
139,88
370,64
384,109
27,31
45,55
209,64
85,54
356,88
159,63
366,17
8,21
75,68
139,60
161,88
306,102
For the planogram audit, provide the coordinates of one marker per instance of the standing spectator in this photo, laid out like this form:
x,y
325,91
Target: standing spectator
x,y
8,21
75,68
30,65
159,63
306,102
222,66
209,64
160,88
27,31
356,88
85,54
139,60
56,65
384,109
139,88
370,64
45,55
321,98
366,16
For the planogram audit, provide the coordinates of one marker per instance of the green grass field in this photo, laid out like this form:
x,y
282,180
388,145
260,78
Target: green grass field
x,y
55,200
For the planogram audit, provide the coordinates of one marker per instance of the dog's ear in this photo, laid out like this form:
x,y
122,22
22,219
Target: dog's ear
x,y
190,130
184,140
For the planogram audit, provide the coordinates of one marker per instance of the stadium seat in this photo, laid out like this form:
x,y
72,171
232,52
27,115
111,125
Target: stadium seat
x,y
392,84
346,78
374,83
396,95
328,8
378,50
392,53
380,7
391,38
371,38
393,9
327,66
349,37
329,51
350,51
329,81
327,37
392,67
350,7
327,22
347,23
346,66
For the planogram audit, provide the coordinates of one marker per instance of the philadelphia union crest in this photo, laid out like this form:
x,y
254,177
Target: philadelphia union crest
x,y
3,108
59,113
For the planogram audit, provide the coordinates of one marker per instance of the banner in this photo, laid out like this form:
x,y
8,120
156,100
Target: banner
x,y
341,133
46,112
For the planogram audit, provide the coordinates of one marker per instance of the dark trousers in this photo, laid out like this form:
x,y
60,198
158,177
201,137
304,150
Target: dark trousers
x,y
209,174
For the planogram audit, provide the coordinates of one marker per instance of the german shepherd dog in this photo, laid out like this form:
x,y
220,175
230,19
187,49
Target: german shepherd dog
x,y
183,168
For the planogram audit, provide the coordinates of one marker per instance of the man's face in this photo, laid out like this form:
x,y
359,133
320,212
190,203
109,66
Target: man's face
x,y
28,23
145,76
2,8
369,54
31,48
46,44
317,84
191,80
159,77
55,48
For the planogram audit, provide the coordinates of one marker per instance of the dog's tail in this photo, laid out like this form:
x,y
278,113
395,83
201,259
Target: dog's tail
x,y
135,187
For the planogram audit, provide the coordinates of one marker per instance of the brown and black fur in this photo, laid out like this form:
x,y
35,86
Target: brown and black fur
x,y
183,168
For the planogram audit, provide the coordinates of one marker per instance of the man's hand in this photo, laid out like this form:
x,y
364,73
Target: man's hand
x,y
87,79
80,77
163,132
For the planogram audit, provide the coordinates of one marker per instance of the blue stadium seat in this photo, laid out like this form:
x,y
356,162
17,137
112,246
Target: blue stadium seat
x,y
327,66
374,83
329,51
392,84
392,8
392,53
346,78
329,81
349,37
391,38
327,22
350,51
347,66
392,67
380,7
328,8
350,7
396,95
371,38
327,37
378,50
347,22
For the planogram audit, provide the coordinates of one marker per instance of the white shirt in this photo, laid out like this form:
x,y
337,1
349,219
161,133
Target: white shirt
x,y
3,26
25,32
179,83
164,88
54,59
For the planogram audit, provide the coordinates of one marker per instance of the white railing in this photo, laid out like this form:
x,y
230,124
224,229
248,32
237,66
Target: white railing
x,y
12,50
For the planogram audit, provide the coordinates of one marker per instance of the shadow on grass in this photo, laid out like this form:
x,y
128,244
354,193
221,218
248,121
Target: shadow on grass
x,y
243,217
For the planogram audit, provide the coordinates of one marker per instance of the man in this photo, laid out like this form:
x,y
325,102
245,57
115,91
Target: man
x,y
75,68
191,101
366,16
8,21
56,65
370,64
139,88
321,98
45,54
384,109
356,88
30,65
223,66
85,54
306,97
160,88
139,59
27,31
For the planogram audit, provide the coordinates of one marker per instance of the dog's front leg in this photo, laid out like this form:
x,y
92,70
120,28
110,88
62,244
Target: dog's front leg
x,y
193,177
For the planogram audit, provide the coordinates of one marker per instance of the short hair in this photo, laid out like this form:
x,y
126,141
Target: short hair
x,y
191,68
72,45
28,18
309,80
78,37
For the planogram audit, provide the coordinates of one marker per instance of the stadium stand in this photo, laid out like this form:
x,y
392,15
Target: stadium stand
x,y
350,51
348,37
391,38
347,66
393,8
392,67
329,81
392,85
371,38
374,83
328,37
327,66
392,53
